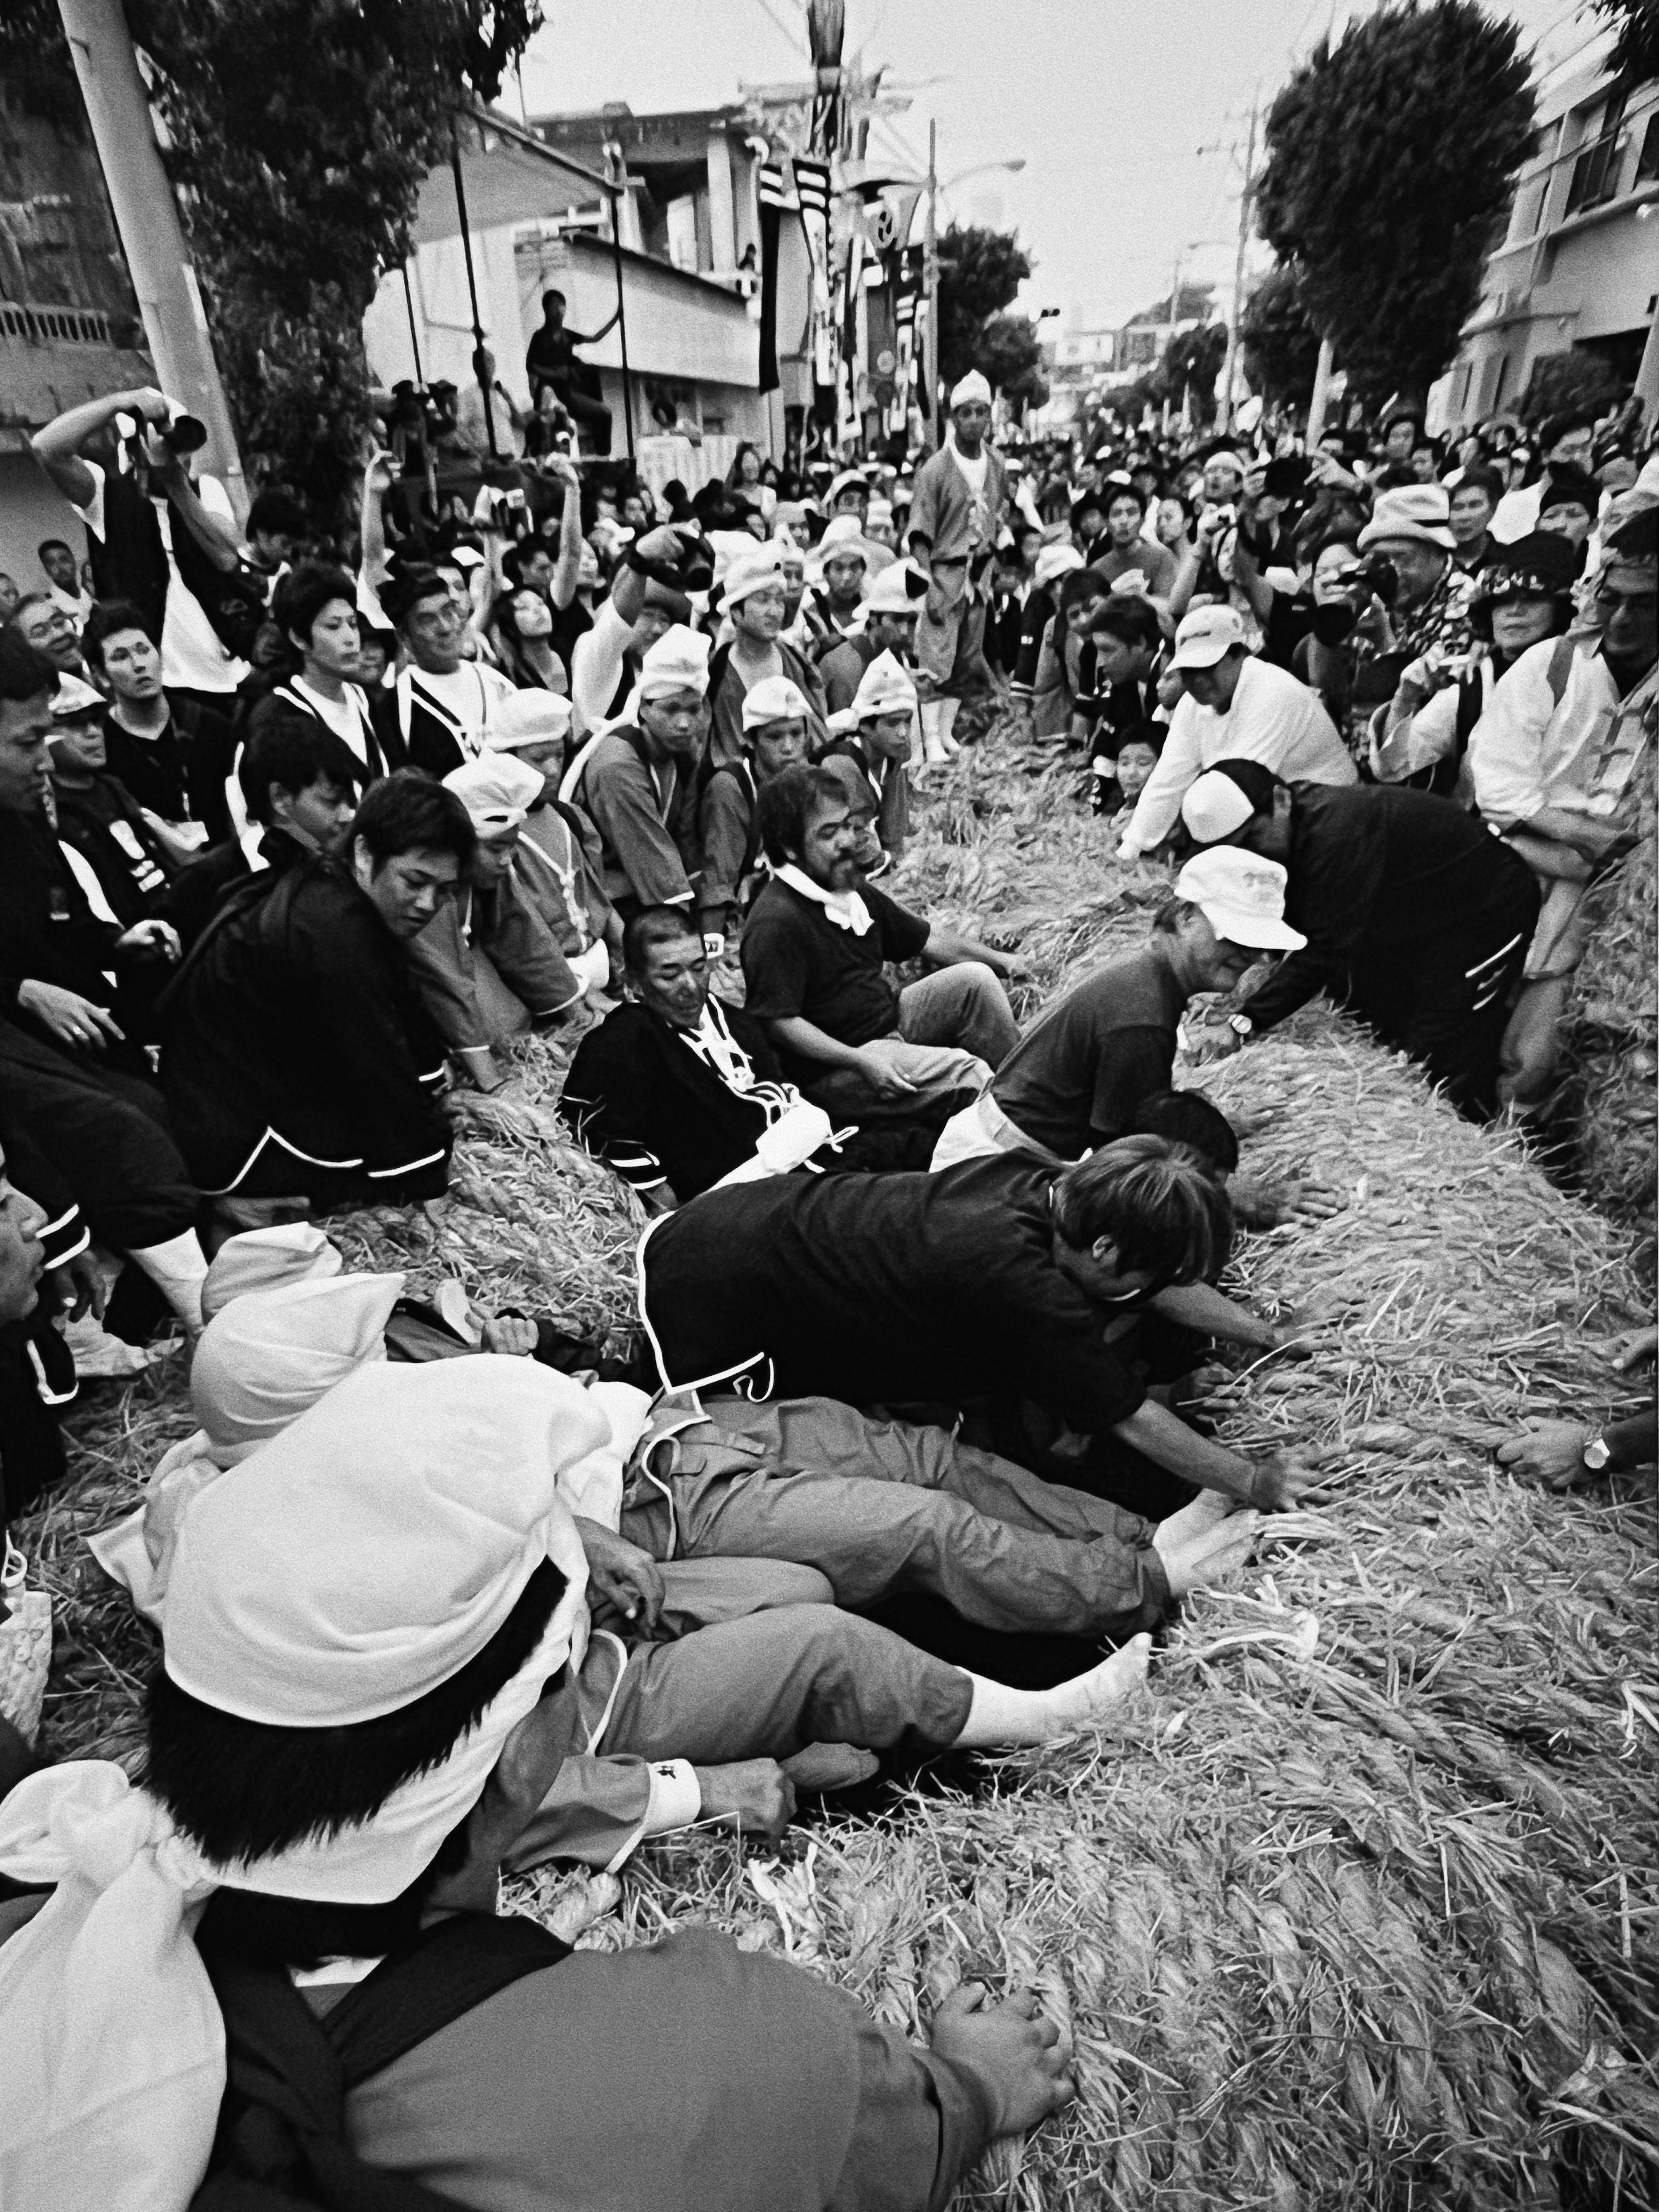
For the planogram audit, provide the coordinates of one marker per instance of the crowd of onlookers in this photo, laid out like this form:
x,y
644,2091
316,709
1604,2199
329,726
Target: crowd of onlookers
x,y
300,833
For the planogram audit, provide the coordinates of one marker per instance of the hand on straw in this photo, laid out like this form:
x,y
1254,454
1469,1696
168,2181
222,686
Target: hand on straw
x,y
1012,2049
1283,1479
1633,1349
754,1793
1551,1452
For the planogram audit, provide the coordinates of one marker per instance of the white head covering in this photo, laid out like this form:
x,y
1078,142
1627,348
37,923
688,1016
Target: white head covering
x,y
264,1260
972,387
269,1356
886,688
421,1504
890,594
528,718
497,790
678,661
775,699
1214,807
755,570
1054,562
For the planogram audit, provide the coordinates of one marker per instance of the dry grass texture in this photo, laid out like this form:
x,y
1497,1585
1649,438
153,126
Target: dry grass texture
x,y
1357,1908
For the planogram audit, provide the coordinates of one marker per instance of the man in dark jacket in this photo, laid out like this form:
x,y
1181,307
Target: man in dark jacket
x,y
296,1059
674,1090
1414,915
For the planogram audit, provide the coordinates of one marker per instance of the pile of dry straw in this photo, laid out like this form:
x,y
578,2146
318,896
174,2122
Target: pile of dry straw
x,y
1358,1907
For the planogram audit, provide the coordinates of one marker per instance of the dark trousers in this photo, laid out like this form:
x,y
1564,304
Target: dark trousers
x,y
1445,1004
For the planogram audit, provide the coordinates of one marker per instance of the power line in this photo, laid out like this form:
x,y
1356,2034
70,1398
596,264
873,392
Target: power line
x,y
797,46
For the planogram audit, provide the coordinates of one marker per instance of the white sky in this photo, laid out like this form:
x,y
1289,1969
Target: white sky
x,y
1108,101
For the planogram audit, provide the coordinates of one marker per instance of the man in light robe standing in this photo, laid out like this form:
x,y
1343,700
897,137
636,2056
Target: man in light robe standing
x,y
961,500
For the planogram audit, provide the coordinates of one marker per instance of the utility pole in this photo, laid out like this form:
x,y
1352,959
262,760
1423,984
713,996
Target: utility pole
x,y
930,277
146,217
1246,210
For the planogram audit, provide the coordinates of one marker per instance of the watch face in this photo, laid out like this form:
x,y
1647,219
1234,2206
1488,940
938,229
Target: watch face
x,y
1596,1453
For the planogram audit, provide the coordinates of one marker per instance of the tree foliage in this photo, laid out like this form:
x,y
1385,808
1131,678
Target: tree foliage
x,y
1637,22
1389,158
1192,362
1280,344
980,272
1009,356
1570,382
298,132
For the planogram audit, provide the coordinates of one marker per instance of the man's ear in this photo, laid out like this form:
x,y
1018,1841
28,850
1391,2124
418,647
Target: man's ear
x,y
1283,801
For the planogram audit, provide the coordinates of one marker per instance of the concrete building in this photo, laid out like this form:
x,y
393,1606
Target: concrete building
x,y
1577,268
69,321
684,262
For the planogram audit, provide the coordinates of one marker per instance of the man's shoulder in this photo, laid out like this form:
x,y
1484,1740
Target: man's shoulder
x,y
778,906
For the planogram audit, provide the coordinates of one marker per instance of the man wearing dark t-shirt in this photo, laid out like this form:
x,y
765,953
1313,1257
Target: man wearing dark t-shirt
x,y
814,955
1076,1078
985,1284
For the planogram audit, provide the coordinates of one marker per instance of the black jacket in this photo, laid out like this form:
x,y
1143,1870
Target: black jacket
x,y
294,1029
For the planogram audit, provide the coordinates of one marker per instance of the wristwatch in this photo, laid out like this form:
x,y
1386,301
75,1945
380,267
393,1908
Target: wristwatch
x,y
1596,1453
1242,1027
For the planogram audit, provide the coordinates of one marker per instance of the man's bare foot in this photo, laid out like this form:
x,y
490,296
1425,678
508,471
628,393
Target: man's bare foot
x,y
1209,1550
1013,2049
1089,1698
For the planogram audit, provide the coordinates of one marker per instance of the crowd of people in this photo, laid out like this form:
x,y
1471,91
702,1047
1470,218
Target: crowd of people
x,y
299,836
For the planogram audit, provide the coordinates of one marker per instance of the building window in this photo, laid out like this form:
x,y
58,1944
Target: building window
x,y
1647,162
1595,173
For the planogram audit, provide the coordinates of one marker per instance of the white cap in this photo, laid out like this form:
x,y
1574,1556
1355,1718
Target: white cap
x,y
848,480
1214,807
756,570
1204,636
497,790
1241,898
1055,561
972,387
890,594
775,699
842,535
887,688
72,699
678,661
528,718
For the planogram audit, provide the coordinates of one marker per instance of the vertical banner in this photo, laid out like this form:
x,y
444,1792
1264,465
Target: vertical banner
x,y
771,195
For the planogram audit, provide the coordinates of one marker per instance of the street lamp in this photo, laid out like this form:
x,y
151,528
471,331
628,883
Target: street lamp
x,y
930,258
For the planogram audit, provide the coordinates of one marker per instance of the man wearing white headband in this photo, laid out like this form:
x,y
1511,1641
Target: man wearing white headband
x,y
559,861
636,779
841,565
487,965
956,518
779,722
347,1735
891,608
873,748
752,596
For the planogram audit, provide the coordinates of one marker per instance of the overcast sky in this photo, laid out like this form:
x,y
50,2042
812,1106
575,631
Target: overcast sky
x,y
1108,102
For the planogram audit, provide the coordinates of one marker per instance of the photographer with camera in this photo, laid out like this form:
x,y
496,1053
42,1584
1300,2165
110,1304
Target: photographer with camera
x,y
647,597
158,537
1405,597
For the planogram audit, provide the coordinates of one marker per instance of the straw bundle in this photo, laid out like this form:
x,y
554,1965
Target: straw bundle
x,y
1357,1906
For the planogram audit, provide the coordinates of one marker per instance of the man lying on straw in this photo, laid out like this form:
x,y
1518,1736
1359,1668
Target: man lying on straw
x,y
1077,1077
977,1288
346,1737
756,1664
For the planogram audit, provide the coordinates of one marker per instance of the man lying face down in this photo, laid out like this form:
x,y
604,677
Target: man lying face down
x,y
346,1738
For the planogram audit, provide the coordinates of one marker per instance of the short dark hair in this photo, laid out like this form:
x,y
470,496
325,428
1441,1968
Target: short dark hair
x,y
295,752
305,591
1156,1200
410,587
407,812
1079,586
786,804
25,672
1188,1117
1116,492
53,545
1257,783
1143,732
651,927
108,619
1129,618
275,509
548,296
1556,427
1479,477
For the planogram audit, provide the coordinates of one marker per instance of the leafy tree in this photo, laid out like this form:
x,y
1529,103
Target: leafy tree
x,y
1010,358
1637,52
1389,158
1573,381
299,132
980,271
1192,362
1281,346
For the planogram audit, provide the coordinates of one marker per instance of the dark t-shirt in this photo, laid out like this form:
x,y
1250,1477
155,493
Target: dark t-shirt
x,y
1076,1078
883,1289
797,962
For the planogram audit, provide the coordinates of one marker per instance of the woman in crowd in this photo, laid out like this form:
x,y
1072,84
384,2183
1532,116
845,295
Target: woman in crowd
x,y
521,632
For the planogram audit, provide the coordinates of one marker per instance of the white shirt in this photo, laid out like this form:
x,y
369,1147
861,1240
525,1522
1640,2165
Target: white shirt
x,y
348,717
596,666
1273,719
192,659
468,698
1528,752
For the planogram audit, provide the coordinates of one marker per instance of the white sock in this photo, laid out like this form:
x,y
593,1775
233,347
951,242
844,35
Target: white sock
x,y
178,1268
932,729
948,711
999,1716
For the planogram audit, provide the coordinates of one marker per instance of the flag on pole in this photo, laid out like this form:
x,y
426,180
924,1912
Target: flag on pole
x,y
772,193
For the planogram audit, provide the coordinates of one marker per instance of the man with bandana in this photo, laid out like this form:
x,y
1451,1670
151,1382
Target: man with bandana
x,y
956,518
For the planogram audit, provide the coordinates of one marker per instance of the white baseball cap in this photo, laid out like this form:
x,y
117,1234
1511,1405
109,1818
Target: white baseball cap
x,y
1204,636
1241,898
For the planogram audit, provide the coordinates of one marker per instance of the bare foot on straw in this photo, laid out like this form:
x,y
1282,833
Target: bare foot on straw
x,y
1208,1552
1089,1698
1013,2049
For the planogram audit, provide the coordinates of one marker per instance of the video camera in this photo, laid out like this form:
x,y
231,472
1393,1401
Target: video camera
x,y
1375,578
181,434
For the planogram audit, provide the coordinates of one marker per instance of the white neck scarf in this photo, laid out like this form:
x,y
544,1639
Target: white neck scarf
x,y
845,909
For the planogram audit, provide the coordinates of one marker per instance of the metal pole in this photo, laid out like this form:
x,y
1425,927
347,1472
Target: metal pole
x,y
414,341
622,316
471,287
930,276
1322,391
1229,365
146,216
